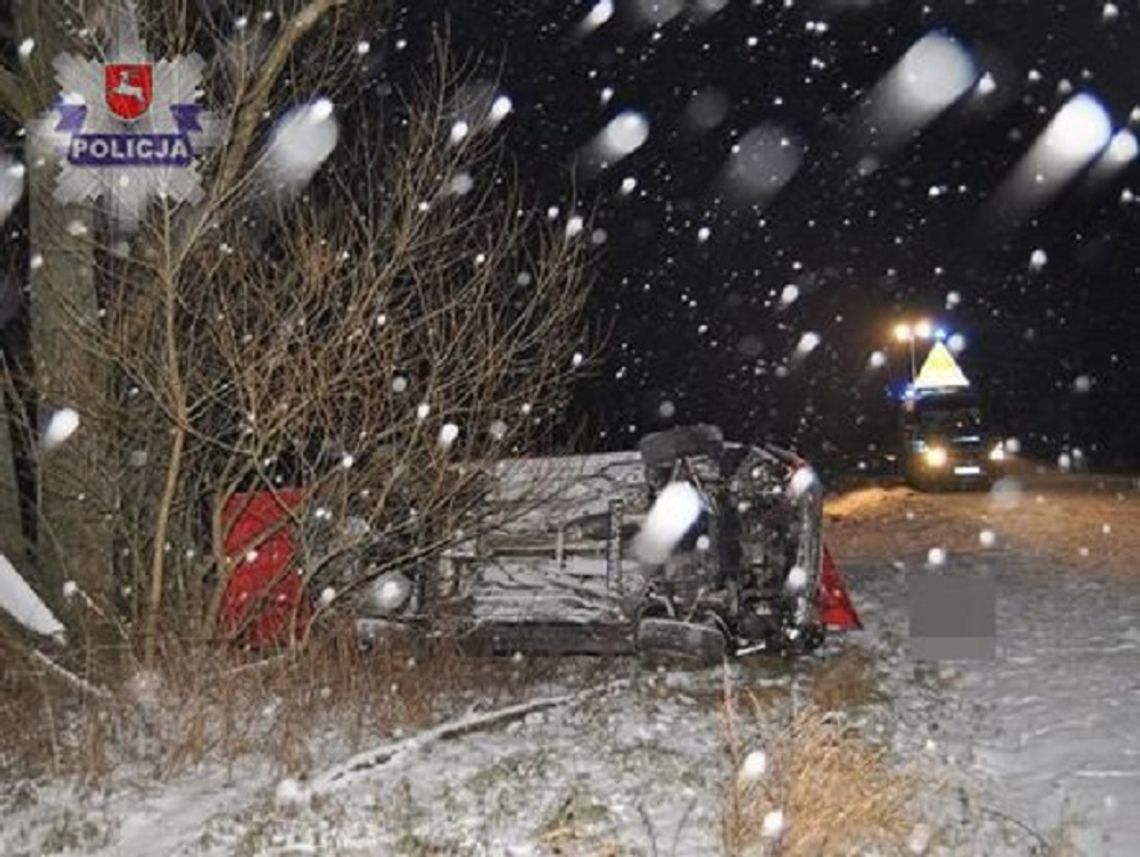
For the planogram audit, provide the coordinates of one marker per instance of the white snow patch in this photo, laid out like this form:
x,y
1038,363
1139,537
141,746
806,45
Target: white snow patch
x,y
919,840
20,601
291,795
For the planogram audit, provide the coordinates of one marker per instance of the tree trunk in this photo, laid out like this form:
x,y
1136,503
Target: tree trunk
x,y
73,536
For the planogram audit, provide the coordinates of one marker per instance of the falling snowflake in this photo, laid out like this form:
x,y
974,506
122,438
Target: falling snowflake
x,y
448,434
459,132
61,425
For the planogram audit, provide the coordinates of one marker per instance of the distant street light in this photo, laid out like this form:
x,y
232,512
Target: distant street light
x,y
906,333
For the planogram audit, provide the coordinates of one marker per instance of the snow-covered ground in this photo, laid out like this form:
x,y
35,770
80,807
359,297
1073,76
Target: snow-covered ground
x,y
1053,722
632,759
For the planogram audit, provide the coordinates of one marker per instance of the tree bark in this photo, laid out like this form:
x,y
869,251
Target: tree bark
x,y
73,537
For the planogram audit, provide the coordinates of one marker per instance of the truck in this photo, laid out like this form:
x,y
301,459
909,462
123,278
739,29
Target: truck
x,y
947,442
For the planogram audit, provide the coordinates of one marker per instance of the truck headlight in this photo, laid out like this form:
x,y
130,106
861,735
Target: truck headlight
x,y
935,456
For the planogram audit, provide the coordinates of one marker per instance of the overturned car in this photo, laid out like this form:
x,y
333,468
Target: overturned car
x,y
691,545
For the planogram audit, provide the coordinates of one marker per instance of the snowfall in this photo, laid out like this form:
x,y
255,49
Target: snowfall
x,y
629,758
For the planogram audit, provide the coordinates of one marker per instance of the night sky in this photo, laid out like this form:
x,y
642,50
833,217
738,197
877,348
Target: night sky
x,y
698,325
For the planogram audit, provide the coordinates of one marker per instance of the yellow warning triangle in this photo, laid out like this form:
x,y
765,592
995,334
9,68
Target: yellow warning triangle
x,y
940,370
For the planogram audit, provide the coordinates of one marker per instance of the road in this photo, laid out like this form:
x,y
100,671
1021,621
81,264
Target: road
x,y
1053,722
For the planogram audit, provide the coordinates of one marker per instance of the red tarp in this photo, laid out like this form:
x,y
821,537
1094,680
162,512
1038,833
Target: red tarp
x,y
835,603
265,591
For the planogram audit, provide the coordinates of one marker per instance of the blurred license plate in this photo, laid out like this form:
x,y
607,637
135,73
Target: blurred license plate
x,y
970,470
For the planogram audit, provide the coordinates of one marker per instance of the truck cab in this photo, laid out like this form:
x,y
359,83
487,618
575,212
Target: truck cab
x,y
947,441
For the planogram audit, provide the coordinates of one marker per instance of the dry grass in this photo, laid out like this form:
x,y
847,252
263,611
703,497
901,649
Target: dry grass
x,y
845,682
837,792
209,705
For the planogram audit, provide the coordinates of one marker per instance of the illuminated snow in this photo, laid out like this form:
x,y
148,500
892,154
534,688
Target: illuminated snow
x,y
797,579
773,825
61,425
459,131
656,12
934,73
501,107
601,12
448,434
1122,148
808,343
11,185
1079,131
753,768
763,161
623,135
674,512
301,142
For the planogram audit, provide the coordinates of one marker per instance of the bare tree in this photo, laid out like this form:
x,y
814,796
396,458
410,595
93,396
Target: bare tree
x,y
370,343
